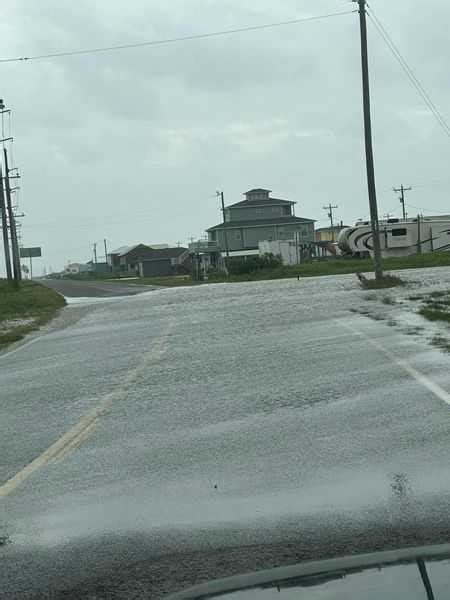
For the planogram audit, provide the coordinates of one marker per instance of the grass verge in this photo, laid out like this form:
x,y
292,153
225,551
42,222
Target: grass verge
x,y
434,314
387,281
441,342
25,309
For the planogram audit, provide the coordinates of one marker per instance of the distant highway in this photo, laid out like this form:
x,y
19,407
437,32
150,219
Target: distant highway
x,y
95,289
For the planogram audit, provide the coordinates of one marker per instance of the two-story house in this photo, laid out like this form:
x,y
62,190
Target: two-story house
x,y
258,218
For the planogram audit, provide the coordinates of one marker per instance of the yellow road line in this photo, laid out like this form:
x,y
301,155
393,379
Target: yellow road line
x,y
76,442
56,448
81,431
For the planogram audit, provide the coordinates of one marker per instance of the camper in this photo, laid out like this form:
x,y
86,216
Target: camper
x,y
398,237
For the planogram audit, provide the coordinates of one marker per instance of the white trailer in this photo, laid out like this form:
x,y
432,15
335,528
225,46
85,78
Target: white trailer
x,y
398,237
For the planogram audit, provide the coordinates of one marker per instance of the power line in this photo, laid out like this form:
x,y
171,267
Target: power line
x,y
409,72
430,210
177,39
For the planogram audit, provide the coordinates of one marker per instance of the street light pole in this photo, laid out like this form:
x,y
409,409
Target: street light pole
x,y
378,266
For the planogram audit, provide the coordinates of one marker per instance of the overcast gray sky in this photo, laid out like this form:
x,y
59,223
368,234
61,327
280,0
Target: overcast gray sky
x,y
131,145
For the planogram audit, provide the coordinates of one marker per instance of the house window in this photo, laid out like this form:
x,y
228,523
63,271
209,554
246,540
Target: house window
x,y
259,212
213,236
286,210
276,210
237,235
305,233
399,232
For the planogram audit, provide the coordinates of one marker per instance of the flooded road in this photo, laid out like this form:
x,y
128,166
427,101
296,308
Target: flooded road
x,y
183,434
77,288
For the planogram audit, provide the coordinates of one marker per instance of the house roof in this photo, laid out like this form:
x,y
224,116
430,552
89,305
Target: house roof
x,y
262,202
261,223
160,253
257,190
123,250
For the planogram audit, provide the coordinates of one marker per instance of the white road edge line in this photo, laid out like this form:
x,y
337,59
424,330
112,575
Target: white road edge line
x,y
430,385
21,347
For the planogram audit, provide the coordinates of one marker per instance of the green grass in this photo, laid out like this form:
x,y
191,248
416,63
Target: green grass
x,y
441,342
438,294
437,303
30,301
434,314
387,281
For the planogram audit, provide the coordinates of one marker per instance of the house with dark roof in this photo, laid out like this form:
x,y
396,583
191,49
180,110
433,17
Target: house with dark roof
x,y
258,218
164,261
147,261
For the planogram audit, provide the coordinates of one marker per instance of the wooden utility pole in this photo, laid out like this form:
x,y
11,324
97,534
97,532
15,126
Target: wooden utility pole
x,y
5,229
12,223
402,191
329,210
419,237
225,233
95,253
378,266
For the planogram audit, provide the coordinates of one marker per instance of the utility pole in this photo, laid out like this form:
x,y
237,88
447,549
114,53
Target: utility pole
x,y
225,233
402,191
330,209
95,253
419,241
12,223
378,266
106,251
5,229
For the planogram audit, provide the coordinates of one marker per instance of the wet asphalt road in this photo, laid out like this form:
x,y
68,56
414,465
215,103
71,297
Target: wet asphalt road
x,y
73,288
171,437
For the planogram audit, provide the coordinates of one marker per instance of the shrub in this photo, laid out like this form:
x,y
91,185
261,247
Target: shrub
x,y
250,264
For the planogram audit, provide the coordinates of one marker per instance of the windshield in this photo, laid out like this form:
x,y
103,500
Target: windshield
x,y
224,291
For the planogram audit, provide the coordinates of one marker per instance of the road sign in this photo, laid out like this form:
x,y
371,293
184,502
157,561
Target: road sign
x,y
30,252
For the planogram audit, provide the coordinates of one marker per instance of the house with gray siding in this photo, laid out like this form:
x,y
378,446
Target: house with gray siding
x,y
147,260
257,218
